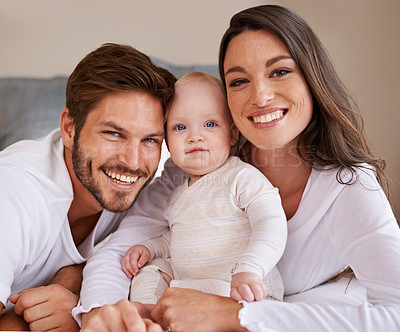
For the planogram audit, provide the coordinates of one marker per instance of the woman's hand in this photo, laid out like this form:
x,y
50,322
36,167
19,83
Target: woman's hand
x,y
190,310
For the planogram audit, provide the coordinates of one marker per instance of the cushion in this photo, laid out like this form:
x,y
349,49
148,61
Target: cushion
x,y
31,107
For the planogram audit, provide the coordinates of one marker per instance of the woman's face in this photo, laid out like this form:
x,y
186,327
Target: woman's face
x,y
267,94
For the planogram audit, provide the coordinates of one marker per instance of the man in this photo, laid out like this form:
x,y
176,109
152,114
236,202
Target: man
x,y
62,195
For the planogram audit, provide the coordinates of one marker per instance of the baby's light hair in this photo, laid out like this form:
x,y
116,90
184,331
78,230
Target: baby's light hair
x,y
198,76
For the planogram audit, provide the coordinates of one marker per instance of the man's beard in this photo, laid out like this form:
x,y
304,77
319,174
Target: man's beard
x,y
83,170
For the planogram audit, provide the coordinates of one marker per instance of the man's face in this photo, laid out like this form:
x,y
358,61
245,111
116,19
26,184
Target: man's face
x,y
119,148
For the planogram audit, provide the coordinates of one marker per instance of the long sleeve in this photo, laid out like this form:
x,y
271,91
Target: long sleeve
x,y
35,195
283,316
263,207
231,218
17,249
159,246
104,281
347,225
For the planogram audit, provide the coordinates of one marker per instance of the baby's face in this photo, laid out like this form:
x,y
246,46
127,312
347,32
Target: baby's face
x,y
199,129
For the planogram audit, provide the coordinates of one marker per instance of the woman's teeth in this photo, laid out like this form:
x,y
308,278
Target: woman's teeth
x,y
268,117
122,178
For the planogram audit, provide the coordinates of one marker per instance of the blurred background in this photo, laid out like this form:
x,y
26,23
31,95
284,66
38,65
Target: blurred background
x,y
47,38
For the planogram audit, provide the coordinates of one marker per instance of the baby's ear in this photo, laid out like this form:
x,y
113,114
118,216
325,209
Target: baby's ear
x,y
234,134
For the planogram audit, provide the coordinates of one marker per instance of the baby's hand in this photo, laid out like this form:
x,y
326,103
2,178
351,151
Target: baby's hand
x,y
247,286
134,259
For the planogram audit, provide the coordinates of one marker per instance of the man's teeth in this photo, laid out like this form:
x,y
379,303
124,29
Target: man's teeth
x,y
122,178
268,117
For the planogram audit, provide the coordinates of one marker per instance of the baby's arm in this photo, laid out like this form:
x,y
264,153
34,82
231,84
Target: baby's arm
x,y
134,259
247,286
261,202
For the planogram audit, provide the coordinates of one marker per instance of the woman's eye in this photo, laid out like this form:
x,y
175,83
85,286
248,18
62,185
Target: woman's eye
x,y
280,72
238,82
180,127
210,124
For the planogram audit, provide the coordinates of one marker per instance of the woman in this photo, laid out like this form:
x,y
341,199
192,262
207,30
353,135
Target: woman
x,y
305,135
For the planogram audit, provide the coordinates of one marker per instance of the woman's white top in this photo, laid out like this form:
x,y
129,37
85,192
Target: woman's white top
x,y
335,226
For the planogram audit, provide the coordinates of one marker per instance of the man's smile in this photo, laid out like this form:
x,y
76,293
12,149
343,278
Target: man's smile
x,y
120,178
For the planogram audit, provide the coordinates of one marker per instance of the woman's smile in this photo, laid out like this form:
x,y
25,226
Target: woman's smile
x,y
268,117
267,94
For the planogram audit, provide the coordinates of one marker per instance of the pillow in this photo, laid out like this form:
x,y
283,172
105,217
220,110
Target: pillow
x,y
30,107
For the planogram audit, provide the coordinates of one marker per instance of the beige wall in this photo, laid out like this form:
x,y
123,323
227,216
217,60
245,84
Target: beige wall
x,y
44,38
47,37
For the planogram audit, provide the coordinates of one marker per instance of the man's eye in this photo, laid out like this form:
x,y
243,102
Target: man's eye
x,y
112,133
210,124
150,140
180,127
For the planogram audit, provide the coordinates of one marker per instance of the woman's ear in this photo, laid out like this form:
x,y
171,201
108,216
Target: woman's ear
x,y
67,129
234,134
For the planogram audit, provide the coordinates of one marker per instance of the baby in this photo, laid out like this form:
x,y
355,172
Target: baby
x,y
227,228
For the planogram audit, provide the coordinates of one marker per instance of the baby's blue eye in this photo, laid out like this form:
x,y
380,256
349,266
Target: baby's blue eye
x,y
180,127
210,124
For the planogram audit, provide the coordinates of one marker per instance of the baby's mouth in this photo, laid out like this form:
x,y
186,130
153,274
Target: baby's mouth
x,y
194,150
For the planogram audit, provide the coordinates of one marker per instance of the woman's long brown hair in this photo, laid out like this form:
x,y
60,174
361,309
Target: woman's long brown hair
x,y
335,136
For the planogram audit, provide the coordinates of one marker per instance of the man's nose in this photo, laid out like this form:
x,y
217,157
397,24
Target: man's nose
x,y
130,155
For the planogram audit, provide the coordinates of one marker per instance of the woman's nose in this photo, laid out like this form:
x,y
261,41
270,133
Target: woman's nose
x,y
262,93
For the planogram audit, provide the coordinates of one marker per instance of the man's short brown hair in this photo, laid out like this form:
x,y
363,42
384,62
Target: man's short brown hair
x,y
112,68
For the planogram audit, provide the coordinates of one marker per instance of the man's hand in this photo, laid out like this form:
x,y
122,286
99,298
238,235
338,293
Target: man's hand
x,y
122,317
47,308
134,259
247,286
